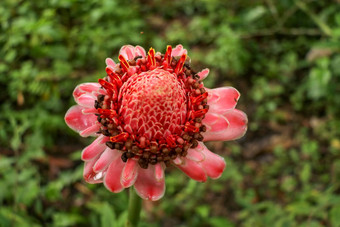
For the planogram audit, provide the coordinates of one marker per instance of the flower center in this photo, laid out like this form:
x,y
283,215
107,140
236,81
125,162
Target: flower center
x,y
153,104
152,107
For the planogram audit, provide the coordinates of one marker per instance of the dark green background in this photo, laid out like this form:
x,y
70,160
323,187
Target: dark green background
x,y
283,56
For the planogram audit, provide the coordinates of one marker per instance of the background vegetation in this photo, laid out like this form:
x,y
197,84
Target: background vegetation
x,y
283,56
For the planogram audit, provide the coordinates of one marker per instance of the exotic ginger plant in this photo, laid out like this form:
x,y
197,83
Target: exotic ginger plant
x,y
151,111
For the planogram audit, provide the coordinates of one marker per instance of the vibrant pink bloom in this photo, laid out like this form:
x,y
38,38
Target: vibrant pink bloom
x,y
150,111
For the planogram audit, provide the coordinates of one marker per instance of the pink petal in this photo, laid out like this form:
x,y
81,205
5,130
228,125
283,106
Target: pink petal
x,y
89,175
195,154
128,52
110,62
178,51
86,88
78,121
139,51
203,74
147,186
94,149
105,159
113,174
238,121
177,161
193,169
89,111
90,131
130,173
213,164
236,129
216,125
159,172
220,100
86,100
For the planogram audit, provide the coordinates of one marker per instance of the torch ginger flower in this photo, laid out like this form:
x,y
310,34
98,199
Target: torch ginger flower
x,y
151,111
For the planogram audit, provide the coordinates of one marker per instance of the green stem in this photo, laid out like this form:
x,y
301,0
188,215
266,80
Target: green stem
x,y
135,205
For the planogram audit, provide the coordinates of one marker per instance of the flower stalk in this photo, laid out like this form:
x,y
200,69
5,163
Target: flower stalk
x,y
135,205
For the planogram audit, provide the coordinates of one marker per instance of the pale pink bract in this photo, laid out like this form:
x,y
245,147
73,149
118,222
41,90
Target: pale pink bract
x,y
126,87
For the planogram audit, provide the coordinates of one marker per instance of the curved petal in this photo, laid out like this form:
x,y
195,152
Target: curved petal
x,y
178,51
139,51
220,100
216,125
130,173
238,121
159,171
89,175
78,121
213,164
113,174
203,74
85,88
110,62
86,100
90,131
237,126
193,169
105,159
147,186
94,149
128,51
195,154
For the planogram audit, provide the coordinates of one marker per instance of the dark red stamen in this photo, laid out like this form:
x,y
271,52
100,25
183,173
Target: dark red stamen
x,y
199,113
114,77
119,138
123,62
167,55
171,141
180,63
107,112
151,57
200,98
190,128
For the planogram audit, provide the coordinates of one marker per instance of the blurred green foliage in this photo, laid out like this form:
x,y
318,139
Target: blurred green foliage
x,y
283,56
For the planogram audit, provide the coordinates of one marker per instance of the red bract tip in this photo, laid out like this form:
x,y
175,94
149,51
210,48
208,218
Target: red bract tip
x,y
167,55
114,77
125,65
180,63
151,57
109,87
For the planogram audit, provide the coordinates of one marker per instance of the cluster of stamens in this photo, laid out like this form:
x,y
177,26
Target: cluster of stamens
x,y
151,149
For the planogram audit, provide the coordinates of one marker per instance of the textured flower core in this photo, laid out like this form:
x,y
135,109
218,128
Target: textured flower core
x,y
151,107
153,104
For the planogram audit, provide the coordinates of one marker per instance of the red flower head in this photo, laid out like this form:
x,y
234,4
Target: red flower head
x,y
149,112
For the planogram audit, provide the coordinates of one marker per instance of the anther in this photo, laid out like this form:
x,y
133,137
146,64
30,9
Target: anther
x,y
194,144
110,145
124,157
